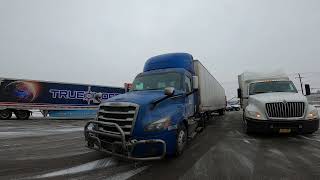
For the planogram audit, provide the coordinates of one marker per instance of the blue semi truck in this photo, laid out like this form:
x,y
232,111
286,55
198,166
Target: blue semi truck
x,y
64,100
170,101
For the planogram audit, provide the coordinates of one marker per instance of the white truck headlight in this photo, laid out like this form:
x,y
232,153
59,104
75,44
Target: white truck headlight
x,y
254,114
313,114
159,125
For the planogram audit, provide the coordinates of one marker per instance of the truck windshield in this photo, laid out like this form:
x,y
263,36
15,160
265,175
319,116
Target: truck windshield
x,y
157,81
272,86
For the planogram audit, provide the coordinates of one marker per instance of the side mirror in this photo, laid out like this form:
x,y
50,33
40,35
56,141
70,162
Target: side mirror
x,y
195,82
308,91
169,91
239,93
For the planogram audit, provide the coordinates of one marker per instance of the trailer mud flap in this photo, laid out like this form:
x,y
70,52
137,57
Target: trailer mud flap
x,y
94,142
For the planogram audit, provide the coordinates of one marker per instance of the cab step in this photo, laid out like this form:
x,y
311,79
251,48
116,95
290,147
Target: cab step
x,y
199,129
192,135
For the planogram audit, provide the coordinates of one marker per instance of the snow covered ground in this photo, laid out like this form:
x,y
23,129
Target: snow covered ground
x,y
37,132
38,127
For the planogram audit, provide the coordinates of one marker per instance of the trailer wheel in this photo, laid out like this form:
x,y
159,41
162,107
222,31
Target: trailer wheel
x,y
5,114
182,138
22,114
221,112
204,119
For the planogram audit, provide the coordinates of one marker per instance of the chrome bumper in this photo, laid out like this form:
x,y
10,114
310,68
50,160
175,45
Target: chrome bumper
x,y
91,136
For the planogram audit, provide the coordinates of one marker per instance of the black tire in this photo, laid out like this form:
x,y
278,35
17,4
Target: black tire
x,y
182,138
5,114
246,129
22,114
237,109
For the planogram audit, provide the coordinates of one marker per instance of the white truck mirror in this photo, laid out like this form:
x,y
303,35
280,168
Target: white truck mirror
x,y
195,82
169,91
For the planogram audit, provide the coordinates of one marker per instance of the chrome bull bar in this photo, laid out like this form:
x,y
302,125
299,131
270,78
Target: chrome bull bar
x,y
92,139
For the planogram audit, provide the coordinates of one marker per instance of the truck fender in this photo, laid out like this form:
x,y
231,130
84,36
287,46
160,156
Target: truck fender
x,y
184,121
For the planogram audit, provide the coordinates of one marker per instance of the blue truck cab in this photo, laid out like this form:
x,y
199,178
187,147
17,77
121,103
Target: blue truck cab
x,y
155,118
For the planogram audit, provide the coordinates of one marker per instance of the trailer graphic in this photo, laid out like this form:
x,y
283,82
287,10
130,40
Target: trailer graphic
x,y
21,96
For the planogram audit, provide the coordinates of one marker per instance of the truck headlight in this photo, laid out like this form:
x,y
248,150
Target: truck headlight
x,y
313,114
159,125
255,115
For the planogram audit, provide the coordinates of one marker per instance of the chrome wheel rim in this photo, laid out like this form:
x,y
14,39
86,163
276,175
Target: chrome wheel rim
x,y
181,140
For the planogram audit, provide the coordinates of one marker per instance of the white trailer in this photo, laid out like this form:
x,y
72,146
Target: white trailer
x,y
212,95
246,78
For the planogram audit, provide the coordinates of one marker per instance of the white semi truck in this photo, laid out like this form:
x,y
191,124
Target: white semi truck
x,y
271,103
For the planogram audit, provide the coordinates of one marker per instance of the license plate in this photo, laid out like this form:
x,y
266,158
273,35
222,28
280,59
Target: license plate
x,y
284,130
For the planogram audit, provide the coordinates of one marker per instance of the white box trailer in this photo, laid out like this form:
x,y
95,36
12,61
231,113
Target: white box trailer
x,y
212,95
246,78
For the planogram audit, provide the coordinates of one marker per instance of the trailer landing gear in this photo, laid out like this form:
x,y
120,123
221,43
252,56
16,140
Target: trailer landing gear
x,y
5,114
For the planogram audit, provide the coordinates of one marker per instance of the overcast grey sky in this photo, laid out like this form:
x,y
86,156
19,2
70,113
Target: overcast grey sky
x,y
107,41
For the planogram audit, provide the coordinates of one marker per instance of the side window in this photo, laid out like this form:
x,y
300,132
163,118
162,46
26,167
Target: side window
x,y
139,86
188,84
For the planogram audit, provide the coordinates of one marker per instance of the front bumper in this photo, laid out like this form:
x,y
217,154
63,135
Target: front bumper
x,y
120,147
274,126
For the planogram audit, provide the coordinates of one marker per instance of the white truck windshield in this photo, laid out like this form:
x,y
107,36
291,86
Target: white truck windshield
x,y
157,81
272,86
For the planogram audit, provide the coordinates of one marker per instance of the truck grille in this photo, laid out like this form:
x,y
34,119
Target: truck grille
x,y
285,110
123,114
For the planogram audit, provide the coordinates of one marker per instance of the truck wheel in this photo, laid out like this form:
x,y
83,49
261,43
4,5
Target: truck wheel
x,y
182,138
5,114
245,128
22,114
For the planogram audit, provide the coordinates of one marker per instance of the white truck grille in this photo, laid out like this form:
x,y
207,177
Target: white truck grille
x,y
123,114
285,109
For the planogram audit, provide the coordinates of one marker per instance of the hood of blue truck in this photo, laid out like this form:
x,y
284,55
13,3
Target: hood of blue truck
x,y
172,108
138,97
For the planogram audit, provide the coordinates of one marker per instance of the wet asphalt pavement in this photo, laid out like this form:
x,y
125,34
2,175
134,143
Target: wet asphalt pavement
x,y
55,149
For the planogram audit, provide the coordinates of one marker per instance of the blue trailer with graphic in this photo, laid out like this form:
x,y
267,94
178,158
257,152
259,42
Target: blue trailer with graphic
x,y
170,101
22,97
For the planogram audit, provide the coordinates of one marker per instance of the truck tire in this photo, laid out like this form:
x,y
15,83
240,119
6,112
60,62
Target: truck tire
x,y
22,114
5,114
182,138
246,129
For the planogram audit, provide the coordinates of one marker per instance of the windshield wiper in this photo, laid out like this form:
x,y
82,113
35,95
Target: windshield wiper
x,y
154,103
259,92
152,89
145,89
282,91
